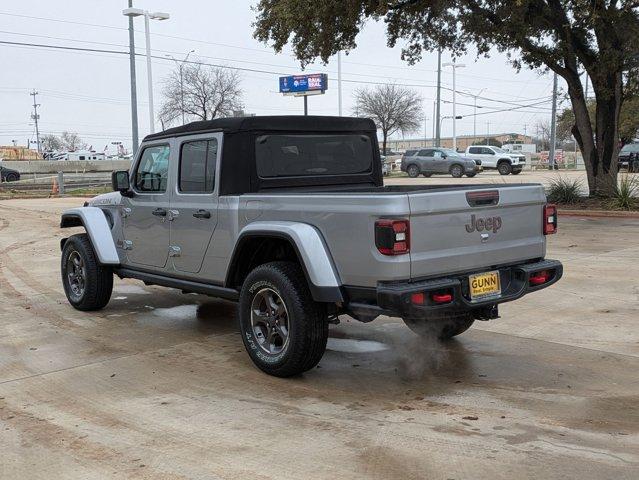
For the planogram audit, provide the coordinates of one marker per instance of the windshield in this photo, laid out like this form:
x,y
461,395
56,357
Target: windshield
x,y
450,152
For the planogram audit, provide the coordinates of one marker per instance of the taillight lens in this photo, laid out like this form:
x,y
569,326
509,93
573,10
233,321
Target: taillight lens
x,y
392,237
550,219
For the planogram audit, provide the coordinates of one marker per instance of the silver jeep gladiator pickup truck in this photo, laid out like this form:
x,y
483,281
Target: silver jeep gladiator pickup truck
x,y
289,217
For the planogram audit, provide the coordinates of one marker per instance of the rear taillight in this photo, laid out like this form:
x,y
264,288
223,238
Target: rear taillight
x,y
392,237
550,219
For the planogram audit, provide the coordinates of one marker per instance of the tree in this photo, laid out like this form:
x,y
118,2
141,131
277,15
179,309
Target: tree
x,y
199,92
391,107
564,36
71,141
50,143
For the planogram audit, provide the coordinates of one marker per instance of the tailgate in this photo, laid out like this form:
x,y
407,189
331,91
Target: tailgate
x,y
475,229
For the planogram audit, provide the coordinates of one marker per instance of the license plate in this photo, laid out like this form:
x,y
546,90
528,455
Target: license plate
x,y
484,284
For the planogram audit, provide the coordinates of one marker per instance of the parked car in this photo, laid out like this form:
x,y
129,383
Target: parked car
x,y
629,157
496,158
429,161
8,174
289,217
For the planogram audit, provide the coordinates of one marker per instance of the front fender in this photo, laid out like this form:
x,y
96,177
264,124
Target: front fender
x,y
97,227
311,250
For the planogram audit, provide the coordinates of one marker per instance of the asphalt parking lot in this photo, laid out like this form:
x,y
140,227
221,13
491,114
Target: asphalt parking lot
x,y
158,385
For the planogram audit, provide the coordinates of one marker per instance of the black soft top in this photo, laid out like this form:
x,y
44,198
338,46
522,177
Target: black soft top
x,y
238,173
290,123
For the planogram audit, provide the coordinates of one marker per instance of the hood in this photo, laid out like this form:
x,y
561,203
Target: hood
x,y
105,200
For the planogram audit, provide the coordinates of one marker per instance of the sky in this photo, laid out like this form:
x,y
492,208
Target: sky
x,y
89,93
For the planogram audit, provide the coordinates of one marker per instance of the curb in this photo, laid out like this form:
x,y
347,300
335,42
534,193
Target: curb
x,y
598,213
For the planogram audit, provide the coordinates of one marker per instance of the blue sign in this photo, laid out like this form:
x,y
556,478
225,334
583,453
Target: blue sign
x,y
304,83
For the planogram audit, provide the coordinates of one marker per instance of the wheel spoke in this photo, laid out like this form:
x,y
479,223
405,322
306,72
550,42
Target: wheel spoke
x,y
269,320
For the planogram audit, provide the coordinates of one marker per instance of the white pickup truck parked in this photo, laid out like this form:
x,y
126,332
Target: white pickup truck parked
x,y
496,158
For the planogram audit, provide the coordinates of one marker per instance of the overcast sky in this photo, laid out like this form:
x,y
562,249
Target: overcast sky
x,y
89,92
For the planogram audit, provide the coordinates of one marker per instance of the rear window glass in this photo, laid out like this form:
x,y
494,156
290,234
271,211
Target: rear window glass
x,y
312,155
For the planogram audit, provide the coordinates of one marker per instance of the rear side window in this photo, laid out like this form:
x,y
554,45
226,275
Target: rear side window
x,y
153,169
197,166
425,153
475,150
313,155
410,153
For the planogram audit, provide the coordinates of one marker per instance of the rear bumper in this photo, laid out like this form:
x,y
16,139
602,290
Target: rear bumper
x,y
394,298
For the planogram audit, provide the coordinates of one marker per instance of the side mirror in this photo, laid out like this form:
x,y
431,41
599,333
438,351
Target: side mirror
x,y
121,183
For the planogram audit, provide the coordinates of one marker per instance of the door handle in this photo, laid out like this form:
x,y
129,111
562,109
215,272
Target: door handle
x,y
159,212
202,214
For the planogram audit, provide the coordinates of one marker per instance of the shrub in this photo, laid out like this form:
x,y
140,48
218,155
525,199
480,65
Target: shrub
x,y
625,196
565,191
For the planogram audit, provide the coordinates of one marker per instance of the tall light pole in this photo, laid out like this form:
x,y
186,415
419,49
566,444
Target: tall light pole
x,y
553,126
439,89
136,12
339,83
134,92
180,68
455,66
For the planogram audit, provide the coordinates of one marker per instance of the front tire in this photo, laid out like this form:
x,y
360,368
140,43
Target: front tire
x,y
413,171
11,177
444,328
87,284
457,171
283,329
504,168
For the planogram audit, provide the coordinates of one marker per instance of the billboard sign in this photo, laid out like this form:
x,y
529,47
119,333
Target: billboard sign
x,y
302,84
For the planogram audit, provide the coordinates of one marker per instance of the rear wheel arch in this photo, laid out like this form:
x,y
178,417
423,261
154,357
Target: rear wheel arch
x,y
258,248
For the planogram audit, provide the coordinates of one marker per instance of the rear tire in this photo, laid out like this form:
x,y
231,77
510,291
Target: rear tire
x,y
457,171
283,329
12,177
504,168
413,171
87,284
444,327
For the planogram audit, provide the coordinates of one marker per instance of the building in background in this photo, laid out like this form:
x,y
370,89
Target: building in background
x,y
13,153
463,141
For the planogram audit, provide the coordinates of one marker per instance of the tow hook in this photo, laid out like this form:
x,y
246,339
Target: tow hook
x,y
489,312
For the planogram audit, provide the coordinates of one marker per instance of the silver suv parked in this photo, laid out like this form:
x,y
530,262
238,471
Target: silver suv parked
x,y
435,160
289,217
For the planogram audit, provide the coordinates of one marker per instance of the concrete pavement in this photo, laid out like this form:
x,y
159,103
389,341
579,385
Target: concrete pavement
x,y
158,385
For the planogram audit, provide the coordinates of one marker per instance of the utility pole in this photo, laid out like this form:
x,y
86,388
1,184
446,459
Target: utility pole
x,y
181,69
455,66
553,125
439,90
36,117
134,92
434,120
339,83
475,114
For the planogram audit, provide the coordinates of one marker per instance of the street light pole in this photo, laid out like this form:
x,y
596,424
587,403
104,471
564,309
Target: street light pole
x,y
339,83
134,93
439,84
455,66
475,114
136,12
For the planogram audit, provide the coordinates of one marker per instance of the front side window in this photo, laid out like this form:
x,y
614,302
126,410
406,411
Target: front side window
x,y
197,166
281,155
487,151
153,170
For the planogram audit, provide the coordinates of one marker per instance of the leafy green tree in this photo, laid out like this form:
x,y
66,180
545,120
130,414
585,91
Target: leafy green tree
x,y
565,36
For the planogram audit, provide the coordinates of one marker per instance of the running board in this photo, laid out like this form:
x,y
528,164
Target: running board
x,y
188,286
